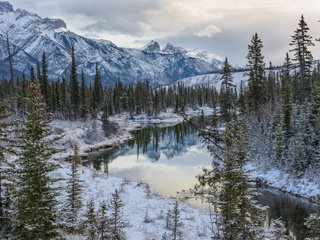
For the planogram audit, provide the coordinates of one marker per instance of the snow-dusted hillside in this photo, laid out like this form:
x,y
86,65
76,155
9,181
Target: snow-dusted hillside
x,y
30,35
212,80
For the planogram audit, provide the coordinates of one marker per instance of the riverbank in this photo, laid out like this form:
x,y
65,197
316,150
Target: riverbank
x,y
99,187
90,137
144,212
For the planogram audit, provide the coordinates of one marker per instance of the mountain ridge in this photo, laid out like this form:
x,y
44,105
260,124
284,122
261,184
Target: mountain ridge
x,y
29,35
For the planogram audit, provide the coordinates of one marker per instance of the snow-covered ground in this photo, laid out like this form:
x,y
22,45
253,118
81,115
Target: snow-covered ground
x,y
136,196
305,187
89,136
137,200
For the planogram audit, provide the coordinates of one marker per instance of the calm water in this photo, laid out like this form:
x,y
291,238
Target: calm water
x,y
170,158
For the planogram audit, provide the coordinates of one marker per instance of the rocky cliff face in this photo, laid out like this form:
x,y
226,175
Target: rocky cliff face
x,y
30,35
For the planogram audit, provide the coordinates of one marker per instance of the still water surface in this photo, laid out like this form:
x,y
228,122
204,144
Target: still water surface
x,y
169,158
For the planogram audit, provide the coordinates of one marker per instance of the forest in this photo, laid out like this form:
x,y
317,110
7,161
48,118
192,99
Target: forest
x,y
272,118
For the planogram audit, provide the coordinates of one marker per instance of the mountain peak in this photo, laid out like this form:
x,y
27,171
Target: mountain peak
x,y
152,46
169,48
55,23
6,7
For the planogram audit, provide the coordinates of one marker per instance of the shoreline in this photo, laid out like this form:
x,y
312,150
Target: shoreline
x,y
125,126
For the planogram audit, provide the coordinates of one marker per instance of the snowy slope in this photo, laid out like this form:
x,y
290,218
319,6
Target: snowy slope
x,y
137,200
212,80
30,35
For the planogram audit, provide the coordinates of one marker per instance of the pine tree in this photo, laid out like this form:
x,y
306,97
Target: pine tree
x,y
242,103
12,83
103,223
74,87
84,97
116,221
298,143
241,217
227,95
228,188
35,196
301,42
175,224
91,221
271,86
286,95
44,82
105,121
279,134
97,95
73,201
32,75
5,167
257,87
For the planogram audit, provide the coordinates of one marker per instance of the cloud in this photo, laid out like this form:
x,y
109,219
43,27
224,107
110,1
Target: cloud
x,y
208,31
187,23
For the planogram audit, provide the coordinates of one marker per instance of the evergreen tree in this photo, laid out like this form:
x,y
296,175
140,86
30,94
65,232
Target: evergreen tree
x,y
32,75
74,87
103,222
84,97
271,86
5,166
105,121
242,103
287,97
35,196
97,95
227,95
116,221
301,41
228,187
91,221
175,224
257,87
12,83
298,143
279,134
73,201
44,82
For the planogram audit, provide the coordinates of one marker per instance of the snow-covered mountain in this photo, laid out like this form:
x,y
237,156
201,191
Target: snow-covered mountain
x,y
29,35
213,80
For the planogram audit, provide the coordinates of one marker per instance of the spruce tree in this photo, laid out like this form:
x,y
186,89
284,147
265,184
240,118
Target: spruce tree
x,y
44,82
35,197
91,221
32,75
227,93
286,96
103,222
175,224
301,41
257,85
97,95
5,167
74,87
116,220
84,97
73,201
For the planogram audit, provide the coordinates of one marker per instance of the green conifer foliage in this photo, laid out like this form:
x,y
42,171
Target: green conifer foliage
x,y
35,196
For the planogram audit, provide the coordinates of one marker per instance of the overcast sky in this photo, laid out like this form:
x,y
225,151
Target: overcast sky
x,y
224,27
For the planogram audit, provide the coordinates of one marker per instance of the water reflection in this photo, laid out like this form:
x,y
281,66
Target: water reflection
x,y
169,159
292,210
